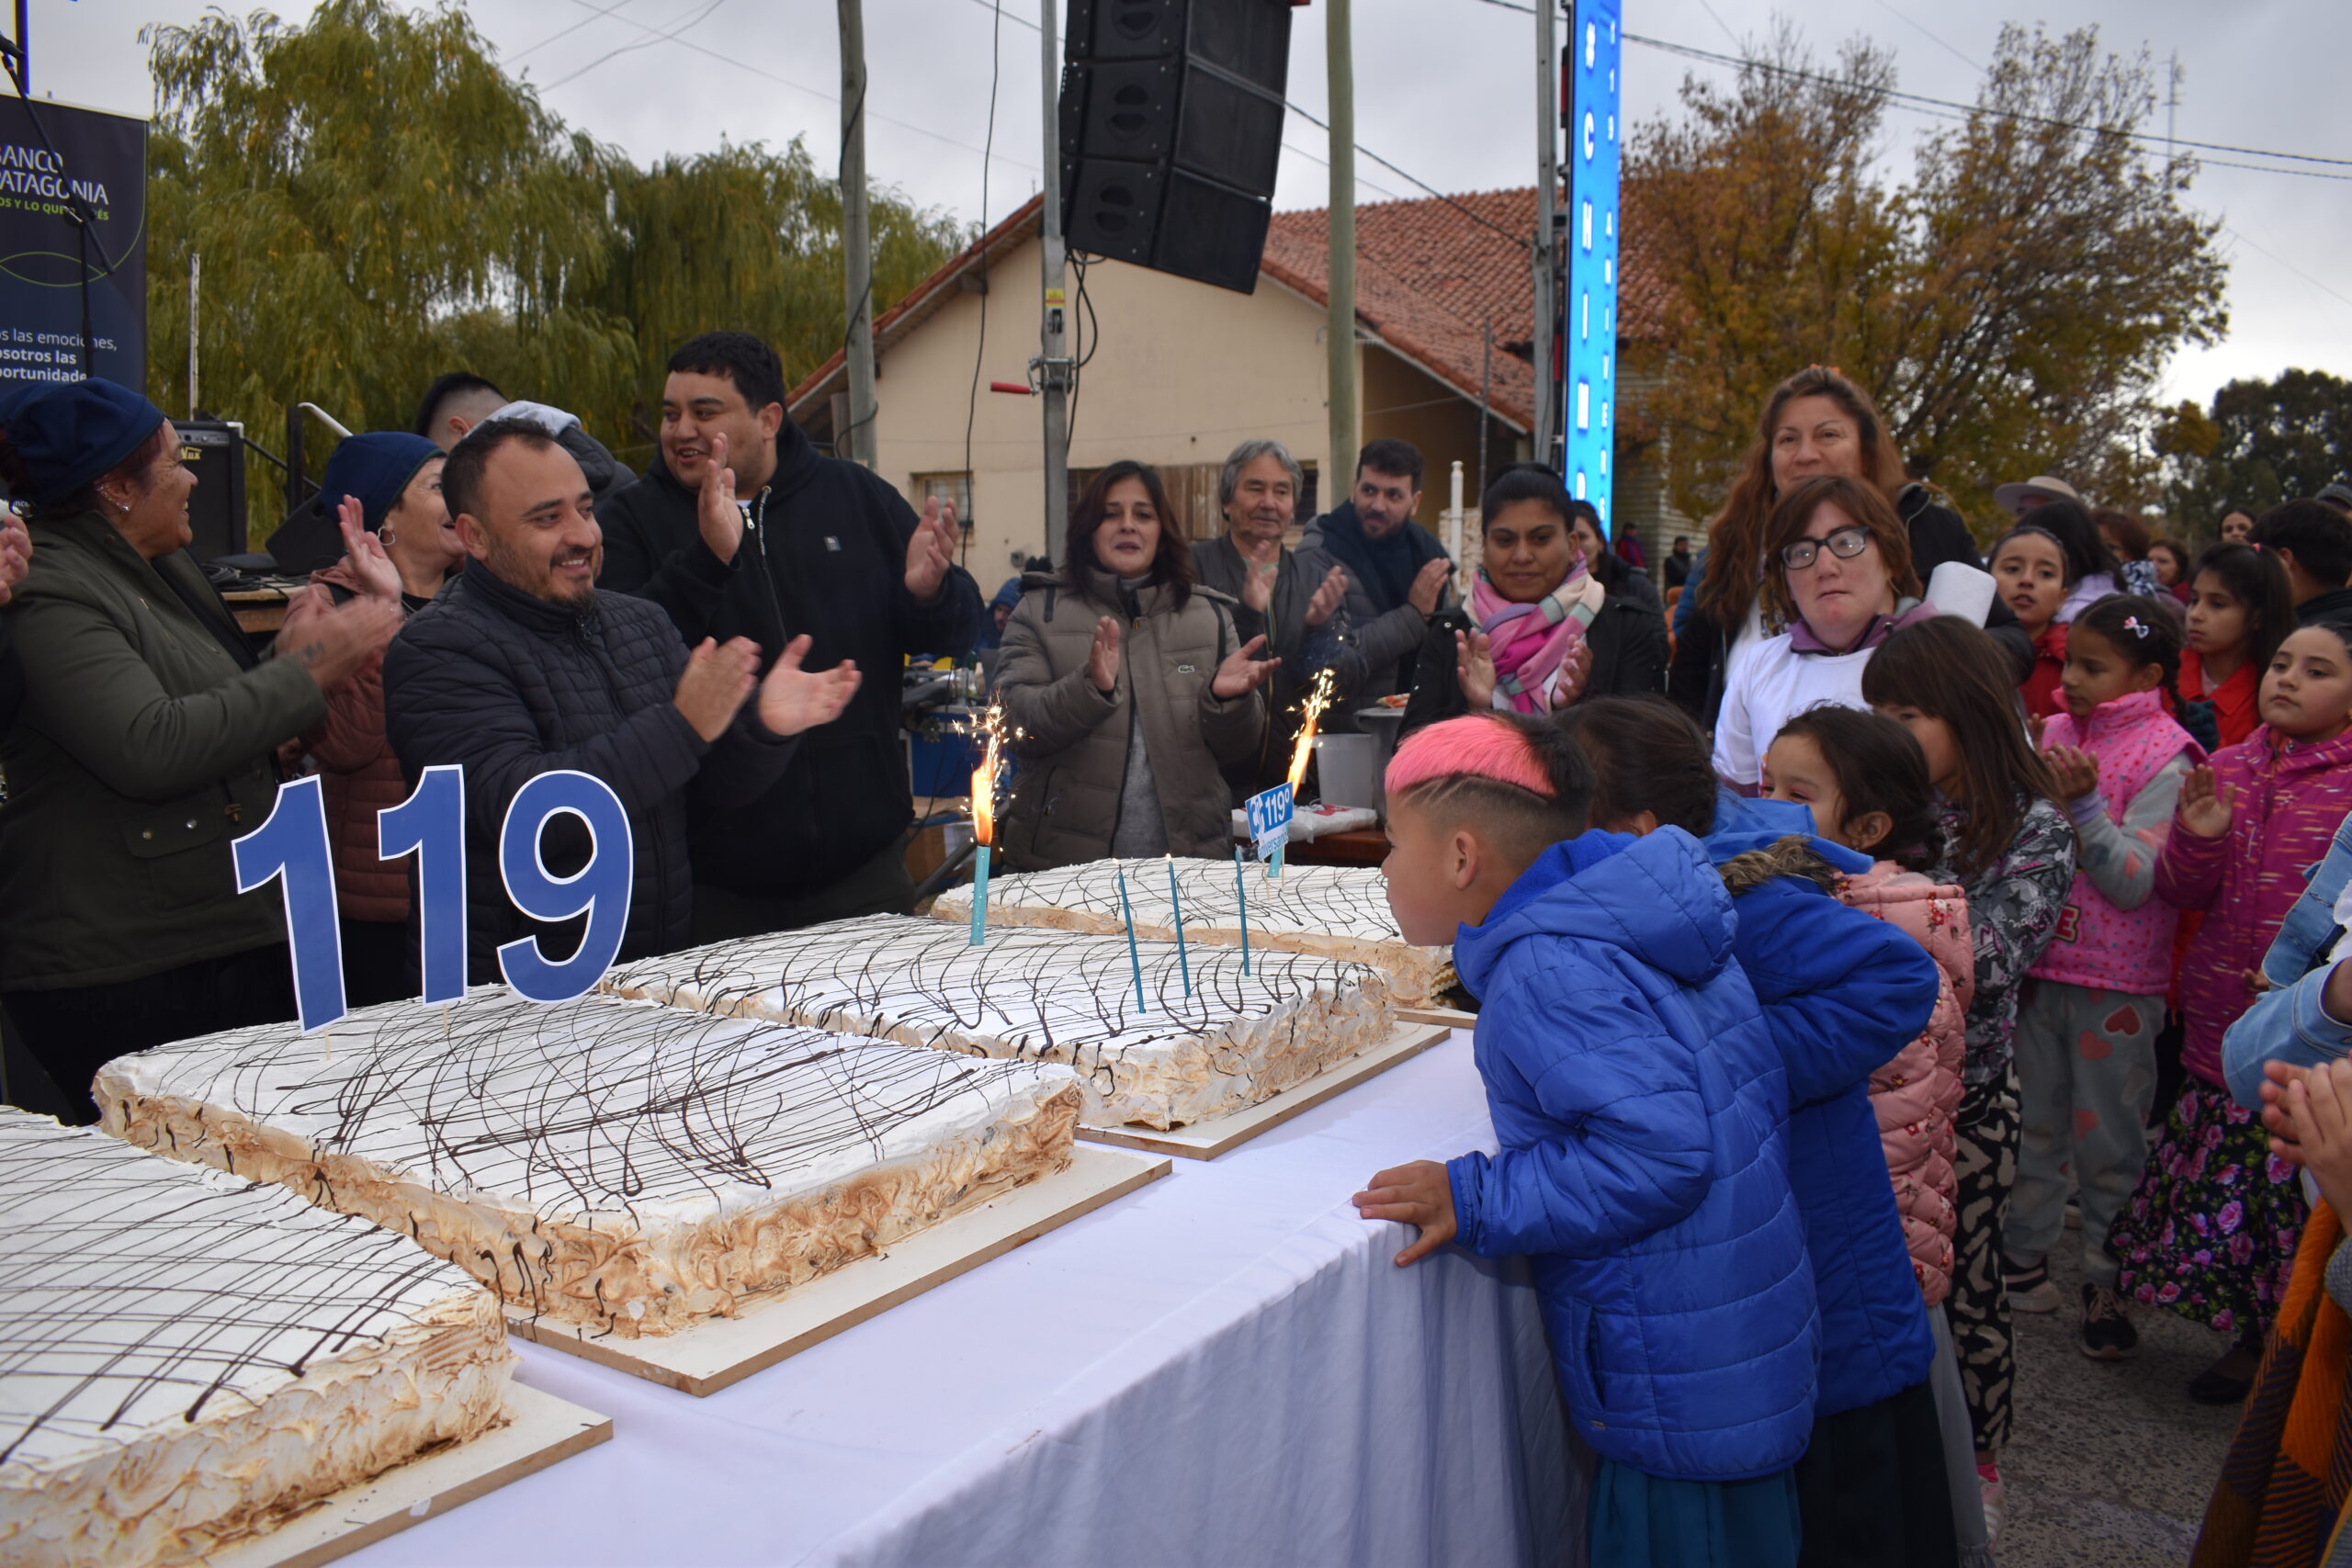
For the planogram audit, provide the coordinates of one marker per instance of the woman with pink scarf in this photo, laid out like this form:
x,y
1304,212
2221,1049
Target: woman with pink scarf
x,y
1542,628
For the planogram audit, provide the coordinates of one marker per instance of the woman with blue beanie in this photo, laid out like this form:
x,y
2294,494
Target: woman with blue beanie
x,y
146,744
381,493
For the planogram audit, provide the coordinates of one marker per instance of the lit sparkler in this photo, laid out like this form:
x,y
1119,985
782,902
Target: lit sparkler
x,y
984,786
1311,711
1319,700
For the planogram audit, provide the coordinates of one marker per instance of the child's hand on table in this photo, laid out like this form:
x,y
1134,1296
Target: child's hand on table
x,y
1419,1194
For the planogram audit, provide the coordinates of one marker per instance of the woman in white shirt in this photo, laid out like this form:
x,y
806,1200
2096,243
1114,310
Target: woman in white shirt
x,y
1837,570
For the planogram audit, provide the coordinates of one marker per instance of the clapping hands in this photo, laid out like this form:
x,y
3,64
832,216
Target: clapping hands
x,y
719,676
1327,595
1240,674
2206,807
931,550
2308,1111
378,577
792,699
2075,771
16,553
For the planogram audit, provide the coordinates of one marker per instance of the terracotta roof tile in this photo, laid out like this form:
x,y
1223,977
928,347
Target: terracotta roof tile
x,y
1429,277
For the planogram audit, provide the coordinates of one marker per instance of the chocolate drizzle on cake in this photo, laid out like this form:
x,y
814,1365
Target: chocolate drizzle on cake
x,y
1330,912
600,1161
1044,995
133,1290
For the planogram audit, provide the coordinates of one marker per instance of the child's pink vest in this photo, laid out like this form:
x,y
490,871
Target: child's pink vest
x,y
2096,945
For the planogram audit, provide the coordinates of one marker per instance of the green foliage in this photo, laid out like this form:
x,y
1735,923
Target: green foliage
x,y
2010,306
374,202
2265,441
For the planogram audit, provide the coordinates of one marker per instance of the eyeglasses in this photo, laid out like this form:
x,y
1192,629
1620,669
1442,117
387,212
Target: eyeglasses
x,y
1845,543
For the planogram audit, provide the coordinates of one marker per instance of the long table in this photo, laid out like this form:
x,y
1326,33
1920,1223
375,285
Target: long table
x,y
1224,1369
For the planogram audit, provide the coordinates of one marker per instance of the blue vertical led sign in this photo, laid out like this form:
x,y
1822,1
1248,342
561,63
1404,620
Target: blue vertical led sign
x,y
1589,309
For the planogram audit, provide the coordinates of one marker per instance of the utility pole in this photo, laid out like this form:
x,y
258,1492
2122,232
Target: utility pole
x,y
1547,195
1340,323
1050,369
856,442
194,271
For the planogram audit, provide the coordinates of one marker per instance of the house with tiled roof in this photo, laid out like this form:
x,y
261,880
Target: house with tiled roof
x,y
1176,373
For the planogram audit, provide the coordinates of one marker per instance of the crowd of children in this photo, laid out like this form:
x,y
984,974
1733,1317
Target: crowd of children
x,y
1793,1090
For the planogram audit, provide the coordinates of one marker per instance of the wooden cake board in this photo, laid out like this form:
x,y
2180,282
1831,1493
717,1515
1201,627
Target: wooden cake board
x,y
1449,1017
724,1350
543,1429
1220,1135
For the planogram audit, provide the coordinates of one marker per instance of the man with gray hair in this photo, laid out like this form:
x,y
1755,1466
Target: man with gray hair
x,y
1292,598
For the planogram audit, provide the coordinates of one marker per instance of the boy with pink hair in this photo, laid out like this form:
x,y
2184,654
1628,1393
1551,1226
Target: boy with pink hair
x,y
1641,1108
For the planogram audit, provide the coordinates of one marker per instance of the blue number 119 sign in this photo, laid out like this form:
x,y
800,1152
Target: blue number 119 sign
x,y
291,849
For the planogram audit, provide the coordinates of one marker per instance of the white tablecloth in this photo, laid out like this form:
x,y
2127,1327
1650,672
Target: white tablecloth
x,y
1223,1369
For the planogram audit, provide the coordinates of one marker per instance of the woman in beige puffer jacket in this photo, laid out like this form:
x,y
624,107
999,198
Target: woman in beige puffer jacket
x,y
1125,686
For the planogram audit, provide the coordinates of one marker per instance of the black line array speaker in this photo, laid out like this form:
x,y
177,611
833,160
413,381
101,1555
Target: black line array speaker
x,y
1172,128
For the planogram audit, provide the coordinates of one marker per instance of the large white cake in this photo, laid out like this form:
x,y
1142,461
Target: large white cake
x,y
1332,912
187,1358
614,1165
1036,995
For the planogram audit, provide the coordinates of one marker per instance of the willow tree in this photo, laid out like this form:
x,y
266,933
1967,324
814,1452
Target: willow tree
x,y
2011,304
374,202
747,238
370,195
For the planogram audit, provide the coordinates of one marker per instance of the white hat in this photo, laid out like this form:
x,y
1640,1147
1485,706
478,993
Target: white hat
x,y
2039,488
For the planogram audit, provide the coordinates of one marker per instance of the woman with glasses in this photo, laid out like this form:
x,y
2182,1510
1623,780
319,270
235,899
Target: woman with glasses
x,y
1838,572
1815,423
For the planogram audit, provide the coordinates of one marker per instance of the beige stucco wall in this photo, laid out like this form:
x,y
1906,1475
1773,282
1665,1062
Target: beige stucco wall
x,y
1184,371
1403,402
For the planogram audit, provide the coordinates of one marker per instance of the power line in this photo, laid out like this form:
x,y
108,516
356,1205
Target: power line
x,y
601,11
683,28
2290,266
1920,27
1747,62
787,82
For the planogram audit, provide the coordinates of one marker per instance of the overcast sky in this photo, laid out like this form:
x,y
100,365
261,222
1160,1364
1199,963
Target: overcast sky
x,y
1444,88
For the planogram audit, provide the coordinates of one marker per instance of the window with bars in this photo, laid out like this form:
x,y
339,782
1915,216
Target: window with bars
x,y
955,487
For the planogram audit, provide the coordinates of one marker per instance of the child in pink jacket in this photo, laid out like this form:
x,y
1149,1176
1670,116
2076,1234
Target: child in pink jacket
x,y
2086,1029
2211,1231
1866,780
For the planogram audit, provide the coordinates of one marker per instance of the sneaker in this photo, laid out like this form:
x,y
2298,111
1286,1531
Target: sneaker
x,y
2031,1289
2074,1216
2106,1333
1989,1492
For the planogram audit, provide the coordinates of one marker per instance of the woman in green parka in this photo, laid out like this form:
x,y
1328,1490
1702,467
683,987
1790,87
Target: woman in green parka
x,y
146,744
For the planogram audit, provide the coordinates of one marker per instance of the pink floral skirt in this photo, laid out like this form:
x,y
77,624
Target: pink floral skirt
x,y
2211,1231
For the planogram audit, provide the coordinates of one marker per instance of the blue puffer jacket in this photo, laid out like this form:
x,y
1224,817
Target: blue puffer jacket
x,y
1842,993
1641,1111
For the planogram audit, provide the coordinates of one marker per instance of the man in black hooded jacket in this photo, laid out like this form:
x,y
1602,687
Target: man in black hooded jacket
x,y
741,528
